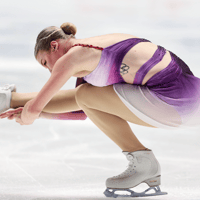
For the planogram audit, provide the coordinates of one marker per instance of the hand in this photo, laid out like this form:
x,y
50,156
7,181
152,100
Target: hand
x,y
22,115
11,113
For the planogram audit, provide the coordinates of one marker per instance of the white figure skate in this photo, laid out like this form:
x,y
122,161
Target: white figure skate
x,y
5,97
143,168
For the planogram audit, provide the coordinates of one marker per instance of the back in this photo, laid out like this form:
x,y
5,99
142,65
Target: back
x,y
134,58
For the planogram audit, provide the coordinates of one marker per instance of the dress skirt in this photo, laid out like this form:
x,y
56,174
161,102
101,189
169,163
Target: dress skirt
x,y
169,99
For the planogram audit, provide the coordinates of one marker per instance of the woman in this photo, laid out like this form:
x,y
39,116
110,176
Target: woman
x,y
121,78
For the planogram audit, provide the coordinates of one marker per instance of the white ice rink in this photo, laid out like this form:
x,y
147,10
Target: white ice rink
x,y
62,160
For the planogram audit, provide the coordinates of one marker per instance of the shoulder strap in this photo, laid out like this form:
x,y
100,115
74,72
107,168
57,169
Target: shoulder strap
x,y
87,45
156,58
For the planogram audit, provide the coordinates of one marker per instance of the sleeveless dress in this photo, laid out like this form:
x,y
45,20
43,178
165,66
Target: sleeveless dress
x,y
169,99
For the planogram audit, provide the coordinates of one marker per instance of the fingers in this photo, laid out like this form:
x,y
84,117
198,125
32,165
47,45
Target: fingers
x,y
18,119
11,112
4,115
19,109
11,117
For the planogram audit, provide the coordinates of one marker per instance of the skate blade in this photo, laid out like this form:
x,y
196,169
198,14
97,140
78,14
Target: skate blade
x,y
111,192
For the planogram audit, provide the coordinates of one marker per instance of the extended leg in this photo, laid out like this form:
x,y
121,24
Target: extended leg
x,y
105,109
59,108
63,101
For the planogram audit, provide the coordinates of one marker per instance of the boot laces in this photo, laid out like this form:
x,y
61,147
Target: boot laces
x,y
129,167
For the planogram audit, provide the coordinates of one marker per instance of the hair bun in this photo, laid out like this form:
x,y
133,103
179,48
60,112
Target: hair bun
x,y
68,28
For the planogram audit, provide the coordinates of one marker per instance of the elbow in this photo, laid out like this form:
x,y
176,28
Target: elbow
x,y
79,115
83,116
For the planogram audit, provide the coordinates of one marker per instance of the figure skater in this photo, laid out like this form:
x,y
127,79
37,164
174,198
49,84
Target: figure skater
x,y
120,78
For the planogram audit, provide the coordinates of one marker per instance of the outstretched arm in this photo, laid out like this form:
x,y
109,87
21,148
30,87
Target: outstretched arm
x,y
62,71
63,105
76,115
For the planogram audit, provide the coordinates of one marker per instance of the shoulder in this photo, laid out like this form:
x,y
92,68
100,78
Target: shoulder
x,y
73,56
78,55
77,58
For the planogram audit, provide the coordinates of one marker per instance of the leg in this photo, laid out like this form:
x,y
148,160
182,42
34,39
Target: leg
x,y
63,101
106,110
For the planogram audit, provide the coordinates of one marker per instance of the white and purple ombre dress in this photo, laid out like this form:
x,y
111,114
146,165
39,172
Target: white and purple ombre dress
x,y
169,99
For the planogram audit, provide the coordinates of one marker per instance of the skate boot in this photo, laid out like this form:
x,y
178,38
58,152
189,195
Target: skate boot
x,y
143,168
5,97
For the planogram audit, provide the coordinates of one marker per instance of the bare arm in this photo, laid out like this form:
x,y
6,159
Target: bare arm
x,y
77,115
63,69
62,106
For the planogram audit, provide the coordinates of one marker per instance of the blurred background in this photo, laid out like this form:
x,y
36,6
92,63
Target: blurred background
x,y
72,159
174,24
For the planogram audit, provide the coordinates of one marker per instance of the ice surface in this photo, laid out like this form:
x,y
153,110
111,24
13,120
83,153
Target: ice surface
x,y
55,160
60,160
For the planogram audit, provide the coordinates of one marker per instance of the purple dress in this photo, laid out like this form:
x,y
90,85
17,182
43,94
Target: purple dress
x,y
170,98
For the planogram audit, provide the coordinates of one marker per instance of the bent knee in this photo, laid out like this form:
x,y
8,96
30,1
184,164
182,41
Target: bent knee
x,y
81,92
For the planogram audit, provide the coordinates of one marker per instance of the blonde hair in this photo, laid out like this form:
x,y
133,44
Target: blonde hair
x,y
51,33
